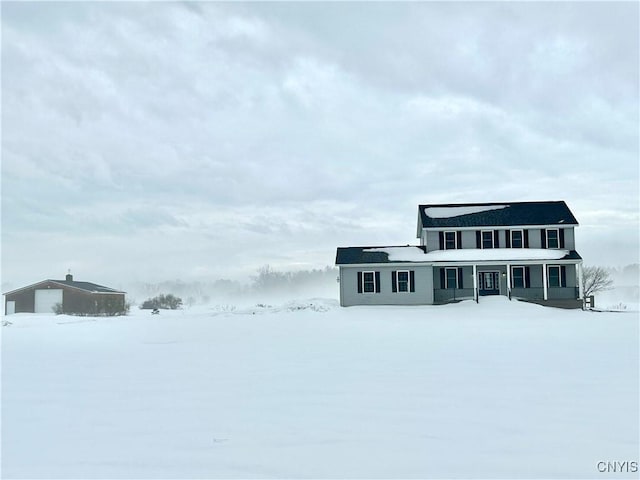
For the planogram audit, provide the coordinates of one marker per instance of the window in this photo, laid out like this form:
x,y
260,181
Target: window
x,y
553,239
403,281
450,241
487,239
518,278
517,239
368,282
451,276
554,278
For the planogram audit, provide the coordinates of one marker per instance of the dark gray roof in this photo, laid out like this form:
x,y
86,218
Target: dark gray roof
x,y
356,255
514,213
87,286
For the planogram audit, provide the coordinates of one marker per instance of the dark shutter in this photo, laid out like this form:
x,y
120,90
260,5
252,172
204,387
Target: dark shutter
x,y
441,238
496,239
459,239
526,238
377,282
563,276
543,238
412,280
442,284
527,277
561,237
507,235
359,282
460,285
478,239
394,286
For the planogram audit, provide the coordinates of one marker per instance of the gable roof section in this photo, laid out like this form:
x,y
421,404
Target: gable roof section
x,y
456,215
87,287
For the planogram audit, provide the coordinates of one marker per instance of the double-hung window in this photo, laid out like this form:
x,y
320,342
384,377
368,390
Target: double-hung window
x,y
487,239
517,239
450,241
402,281
557,276
554,276
553,239
451,278
368,282
518,277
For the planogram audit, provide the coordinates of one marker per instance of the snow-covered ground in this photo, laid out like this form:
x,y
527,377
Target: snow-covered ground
x,y
308,389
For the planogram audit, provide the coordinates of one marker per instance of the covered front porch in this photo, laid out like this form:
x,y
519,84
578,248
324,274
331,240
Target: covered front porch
x,y
539,282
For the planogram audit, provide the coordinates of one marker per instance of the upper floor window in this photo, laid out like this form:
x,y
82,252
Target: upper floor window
x,y
487,239
450,241
553,239
517,239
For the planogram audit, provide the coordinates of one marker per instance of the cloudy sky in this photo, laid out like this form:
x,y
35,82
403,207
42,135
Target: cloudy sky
x,y
159,141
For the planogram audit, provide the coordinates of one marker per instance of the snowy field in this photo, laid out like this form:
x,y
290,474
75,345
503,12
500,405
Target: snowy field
x,y
310,390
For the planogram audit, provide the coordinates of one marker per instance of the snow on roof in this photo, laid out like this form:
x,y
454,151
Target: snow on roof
x,y
448,212
415,254
401,254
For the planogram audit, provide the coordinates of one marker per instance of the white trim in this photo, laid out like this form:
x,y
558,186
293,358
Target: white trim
x,y
504,227
493,239
465,263
475,282
579,279
373,273
546,237
545,288
455,240
521,230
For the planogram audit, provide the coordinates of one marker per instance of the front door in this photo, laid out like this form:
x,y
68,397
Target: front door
x,y
488,283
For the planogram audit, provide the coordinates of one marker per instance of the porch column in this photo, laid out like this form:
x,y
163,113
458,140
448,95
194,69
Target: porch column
x,y
544,281
475,282
509,281
579,277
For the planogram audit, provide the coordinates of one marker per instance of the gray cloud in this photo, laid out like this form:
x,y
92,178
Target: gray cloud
x,y
244,133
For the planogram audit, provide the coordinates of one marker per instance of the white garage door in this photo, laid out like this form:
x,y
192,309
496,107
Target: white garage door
x,y
47,299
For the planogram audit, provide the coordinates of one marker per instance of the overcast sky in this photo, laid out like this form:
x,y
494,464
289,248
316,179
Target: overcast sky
x,y
160,141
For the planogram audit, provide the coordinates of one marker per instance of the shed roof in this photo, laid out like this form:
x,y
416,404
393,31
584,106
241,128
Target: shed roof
x,y
452,215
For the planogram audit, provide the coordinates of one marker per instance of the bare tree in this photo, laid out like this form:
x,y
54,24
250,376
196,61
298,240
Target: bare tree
x,y
595,279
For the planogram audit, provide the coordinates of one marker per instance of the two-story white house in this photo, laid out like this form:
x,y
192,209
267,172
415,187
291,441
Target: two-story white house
x,y
522,250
